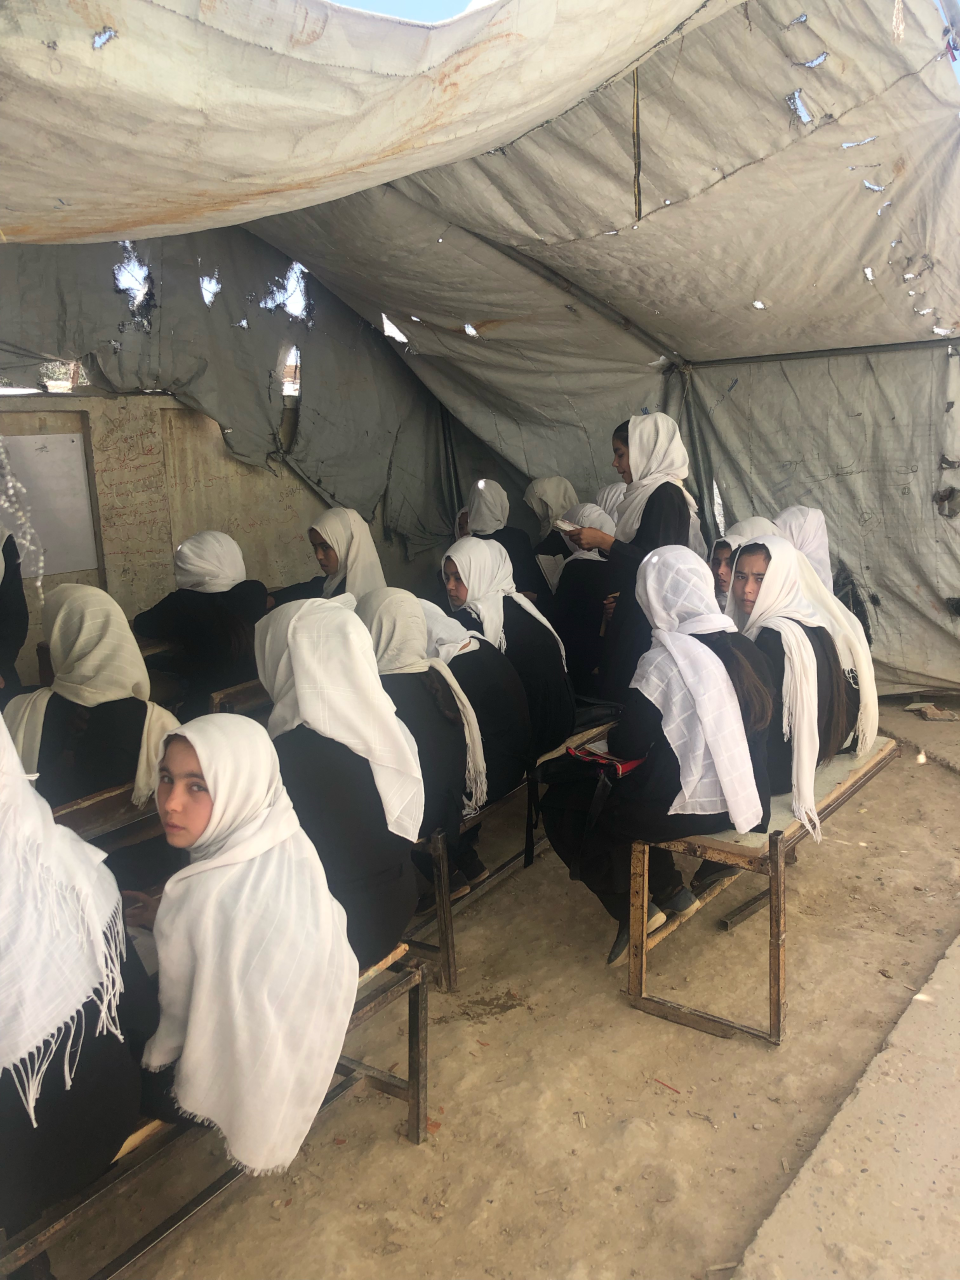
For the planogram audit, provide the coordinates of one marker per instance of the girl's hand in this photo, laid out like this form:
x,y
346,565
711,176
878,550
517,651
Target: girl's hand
x,y
591,540
609,604
140,909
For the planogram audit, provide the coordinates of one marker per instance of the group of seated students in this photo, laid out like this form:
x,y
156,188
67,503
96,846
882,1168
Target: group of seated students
x,y
294,848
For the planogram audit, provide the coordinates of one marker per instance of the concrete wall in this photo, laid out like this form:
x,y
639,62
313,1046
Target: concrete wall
x,y
163,473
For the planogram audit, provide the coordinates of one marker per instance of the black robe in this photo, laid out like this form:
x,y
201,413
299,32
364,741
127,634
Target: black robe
x,y
84,750
638,807
368,868
493,689
215,631
79,1130
535,656
14,620
779,749
665,522
552,545
527,574
577,616
312,589
442,747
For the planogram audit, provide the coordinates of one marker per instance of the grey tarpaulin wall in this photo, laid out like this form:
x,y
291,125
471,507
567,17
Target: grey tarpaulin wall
x,y
800,190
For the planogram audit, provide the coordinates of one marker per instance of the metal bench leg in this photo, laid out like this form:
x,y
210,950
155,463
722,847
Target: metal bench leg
x,y
417,1026
745,911
441,887
778,936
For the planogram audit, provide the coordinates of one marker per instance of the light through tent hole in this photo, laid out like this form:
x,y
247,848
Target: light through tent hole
x,y
870,274
760,306
862,143
104,36
132,276
796,104
470,331
210,286
872,186
290,294
814,62
942,333
802,18
718,509
291,372
391,330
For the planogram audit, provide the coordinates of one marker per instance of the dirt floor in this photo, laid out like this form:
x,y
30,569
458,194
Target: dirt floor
x,y
572,1136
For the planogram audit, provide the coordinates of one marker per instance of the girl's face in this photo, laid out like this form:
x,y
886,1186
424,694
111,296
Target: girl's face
x,y
748,579
720,564
455,585
463,527
621,460
327,558
183,800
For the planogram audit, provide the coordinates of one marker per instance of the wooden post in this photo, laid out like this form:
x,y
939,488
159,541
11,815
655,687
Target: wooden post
x,y
778,935
441,889
417,1027
639,876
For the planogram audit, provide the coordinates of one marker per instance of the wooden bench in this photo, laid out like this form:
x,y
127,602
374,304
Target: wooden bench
x,y
109,819
443,953
766,855
248,699
404,977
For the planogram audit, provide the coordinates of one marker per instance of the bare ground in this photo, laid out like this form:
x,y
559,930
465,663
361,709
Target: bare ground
x,y
573,1136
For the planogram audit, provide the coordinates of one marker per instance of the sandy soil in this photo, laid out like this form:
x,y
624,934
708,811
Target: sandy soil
x,y
573,1136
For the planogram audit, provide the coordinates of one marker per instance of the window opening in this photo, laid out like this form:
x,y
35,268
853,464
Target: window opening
x,y
291,372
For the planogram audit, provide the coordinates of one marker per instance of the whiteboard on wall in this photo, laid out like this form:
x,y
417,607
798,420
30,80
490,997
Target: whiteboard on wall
x,y
53,470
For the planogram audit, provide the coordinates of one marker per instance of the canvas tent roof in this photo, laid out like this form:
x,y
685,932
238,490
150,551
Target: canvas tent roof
x,y
799,192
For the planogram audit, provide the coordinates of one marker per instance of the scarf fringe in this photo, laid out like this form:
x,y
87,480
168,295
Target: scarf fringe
x,y
196,1118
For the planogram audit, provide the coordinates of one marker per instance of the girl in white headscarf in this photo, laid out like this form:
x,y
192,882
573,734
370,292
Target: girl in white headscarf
x,y
210,616
823,672
348,762
586,580
69,1089
438,714
656,511
488,509
696,716
347,556
479,582
548,498
95,726
257,978
724,550
806,528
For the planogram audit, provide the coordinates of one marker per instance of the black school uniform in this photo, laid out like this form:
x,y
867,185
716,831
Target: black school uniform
x,y
552,545
665,522
638,807
442,747
527,574
577,616
312,589
367,866
535,656
493,689
14,620
215,630
84,750
779,749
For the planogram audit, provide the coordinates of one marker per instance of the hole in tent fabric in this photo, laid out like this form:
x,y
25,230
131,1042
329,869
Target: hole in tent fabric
x,y
470,331
869,273
872,186
290,293
210,286
104,36
862,143
132,276
814,62
390,329
760,306
797,106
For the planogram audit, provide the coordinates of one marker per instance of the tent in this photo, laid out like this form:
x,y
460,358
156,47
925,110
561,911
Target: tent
x,y
518,228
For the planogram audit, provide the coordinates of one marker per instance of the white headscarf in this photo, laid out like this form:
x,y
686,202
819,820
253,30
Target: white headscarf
x,y
486,571
588,516
657,456
398,629
350,538
806,528
610,497
745,531
446,638
548,498
316,661
61,935
257,978
488,507
95,659
689,684
210,562
781,604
